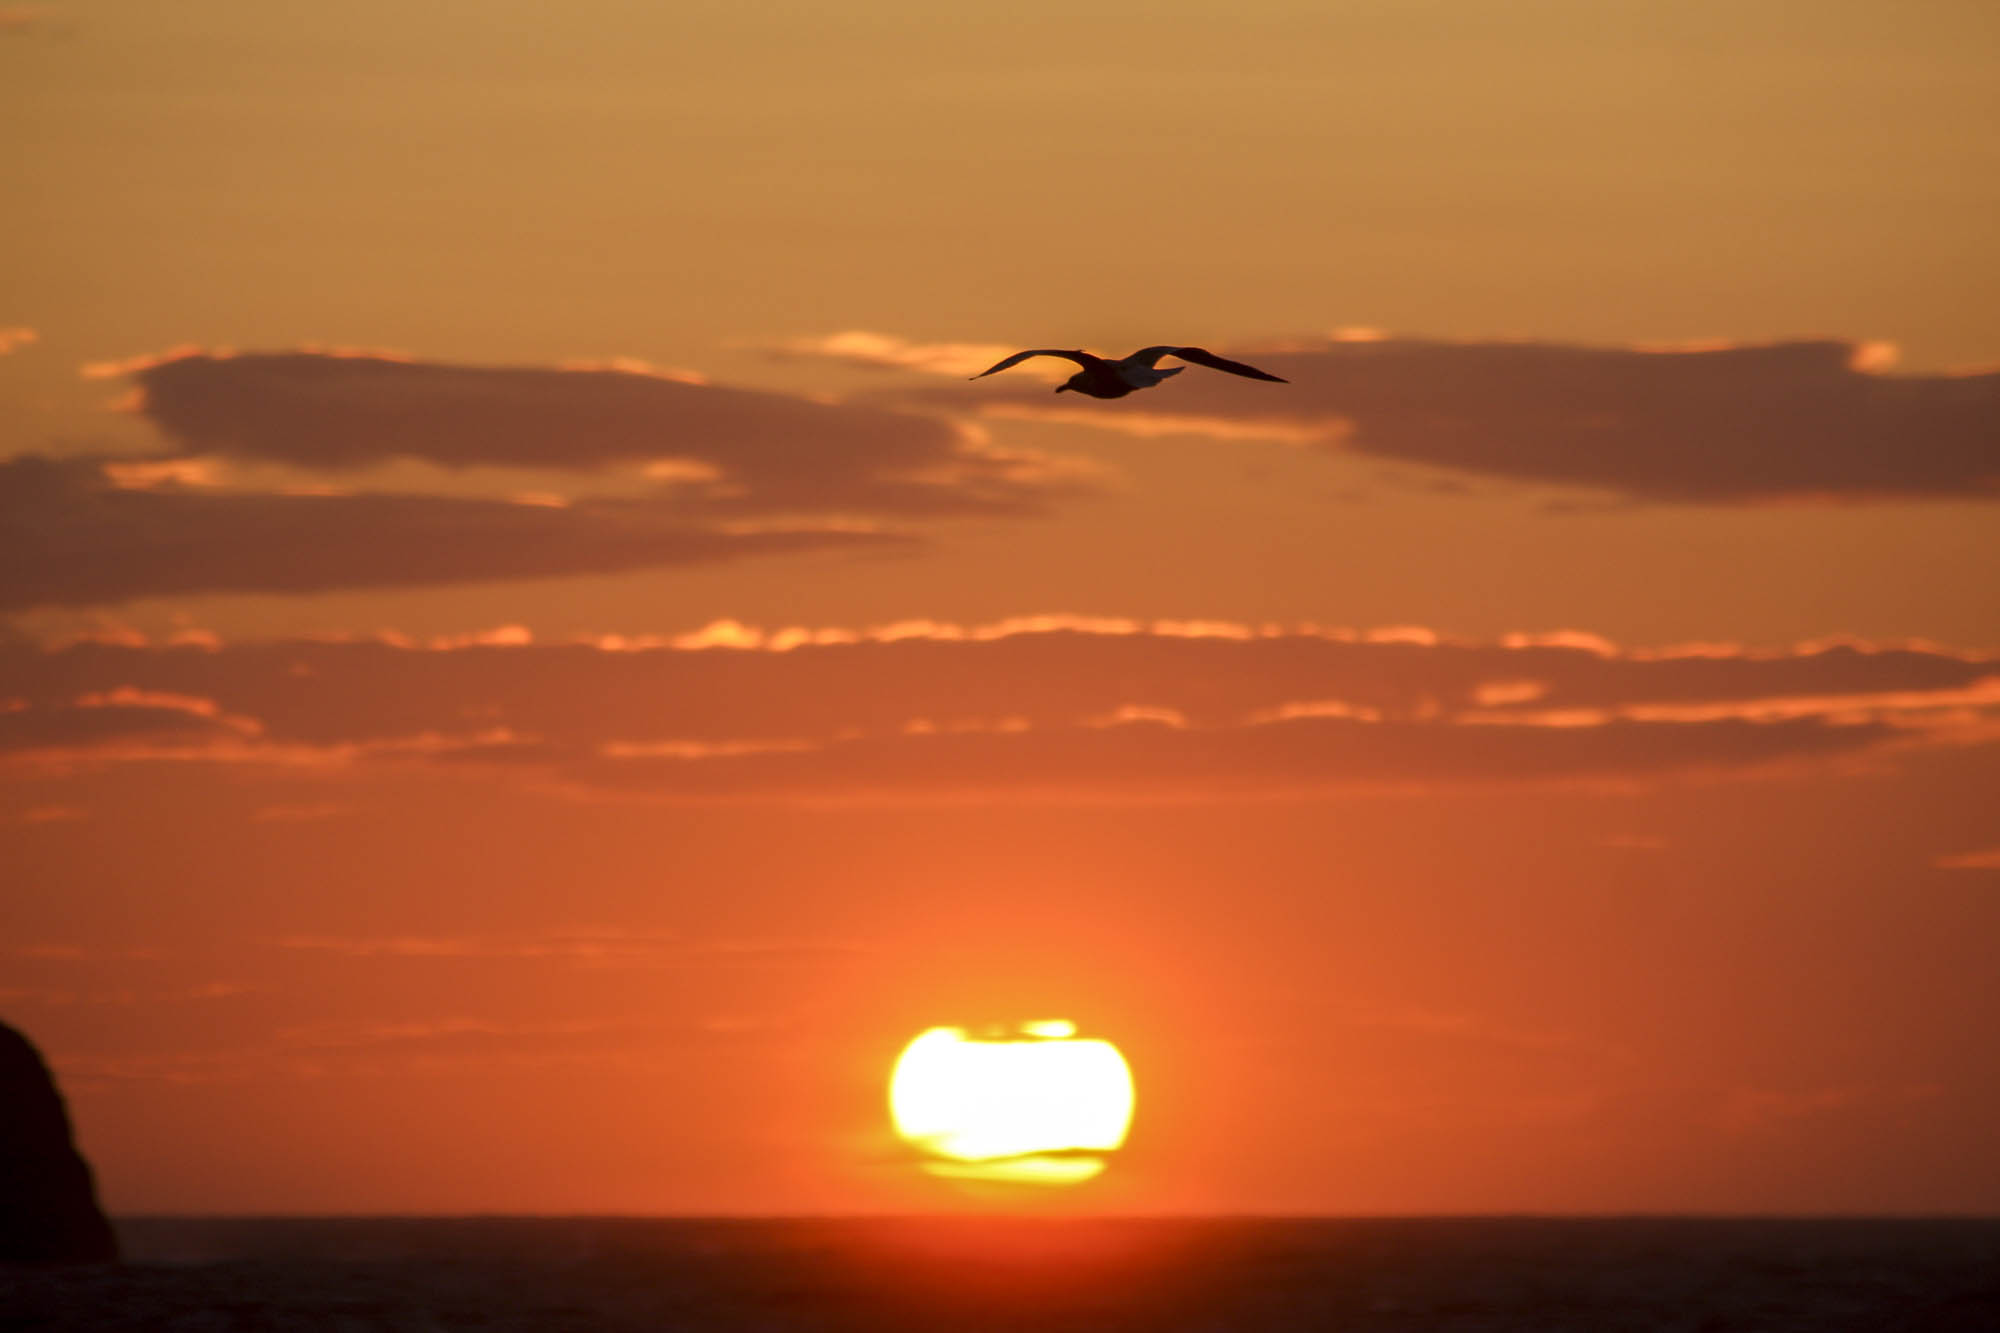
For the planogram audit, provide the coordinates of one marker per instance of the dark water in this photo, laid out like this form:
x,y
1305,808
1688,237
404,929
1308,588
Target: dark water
x,y
963,1274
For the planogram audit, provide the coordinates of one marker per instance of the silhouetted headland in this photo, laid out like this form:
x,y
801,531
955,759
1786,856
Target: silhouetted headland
x,y
48,1202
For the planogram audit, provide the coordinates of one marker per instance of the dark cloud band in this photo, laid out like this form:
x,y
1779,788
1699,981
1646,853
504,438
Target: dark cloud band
x,y
759,452
1745,424
69,537
1141,714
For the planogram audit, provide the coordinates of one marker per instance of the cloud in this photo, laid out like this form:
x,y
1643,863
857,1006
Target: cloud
x,y
1985,859
1754,1110
51,998
454,1032
1164,763
56,997
72,953
1753,424
71,536
1462,1029
54,814
596,948
100,720
1043,706
718,450
730,682
301,812
885,351
582,947
19,335
447,1044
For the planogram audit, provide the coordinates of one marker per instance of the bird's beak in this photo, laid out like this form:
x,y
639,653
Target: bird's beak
x,y
1061,387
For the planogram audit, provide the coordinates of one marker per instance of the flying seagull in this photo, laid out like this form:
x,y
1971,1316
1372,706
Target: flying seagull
x,y
1114,379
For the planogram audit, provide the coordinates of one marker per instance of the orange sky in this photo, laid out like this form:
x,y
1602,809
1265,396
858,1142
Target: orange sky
x,y
527,672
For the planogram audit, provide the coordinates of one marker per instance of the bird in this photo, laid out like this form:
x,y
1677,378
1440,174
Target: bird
x,y
1102,378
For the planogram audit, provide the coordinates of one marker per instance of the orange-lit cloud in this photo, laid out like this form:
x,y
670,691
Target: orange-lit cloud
x,y
98,720
18,335
145,474
886,351
730,681
1156,424
1146,763
1120,710
1718,424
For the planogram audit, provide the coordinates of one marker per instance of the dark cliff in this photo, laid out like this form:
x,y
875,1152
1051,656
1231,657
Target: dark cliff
x,y
48,1202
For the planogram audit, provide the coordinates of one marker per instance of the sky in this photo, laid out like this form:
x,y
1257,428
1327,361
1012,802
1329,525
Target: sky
x,y
528,671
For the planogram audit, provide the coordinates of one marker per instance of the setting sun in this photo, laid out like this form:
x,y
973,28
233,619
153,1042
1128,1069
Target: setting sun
x,y
1029,1103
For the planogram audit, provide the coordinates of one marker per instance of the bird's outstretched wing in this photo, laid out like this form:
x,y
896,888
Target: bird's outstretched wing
x,y
1084,359
1202,357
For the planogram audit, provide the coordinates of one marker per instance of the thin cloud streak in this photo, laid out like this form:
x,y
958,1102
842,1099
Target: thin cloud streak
x,y
1985,859
594,948
583,947
84,728
1155,762
1751,1110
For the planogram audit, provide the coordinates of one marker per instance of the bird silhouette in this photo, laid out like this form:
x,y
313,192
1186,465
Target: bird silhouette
x,y
1102,378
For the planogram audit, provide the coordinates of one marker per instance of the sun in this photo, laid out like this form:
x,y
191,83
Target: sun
x,y
1029,1103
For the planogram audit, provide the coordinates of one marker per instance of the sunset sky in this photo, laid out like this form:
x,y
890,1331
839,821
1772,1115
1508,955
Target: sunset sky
x,y
528,672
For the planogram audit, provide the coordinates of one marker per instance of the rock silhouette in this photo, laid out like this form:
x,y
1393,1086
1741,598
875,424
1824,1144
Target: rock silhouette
x,y
48,1204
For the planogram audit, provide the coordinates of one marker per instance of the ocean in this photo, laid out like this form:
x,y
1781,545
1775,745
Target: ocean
x,y
961,1274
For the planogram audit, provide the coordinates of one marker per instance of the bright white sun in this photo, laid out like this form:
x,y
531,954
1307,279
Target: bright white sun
x,y
1031,1102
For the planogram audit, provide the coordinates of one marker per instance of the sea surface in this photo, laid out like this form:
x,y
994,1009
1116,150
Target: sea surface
x,y
959,1274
